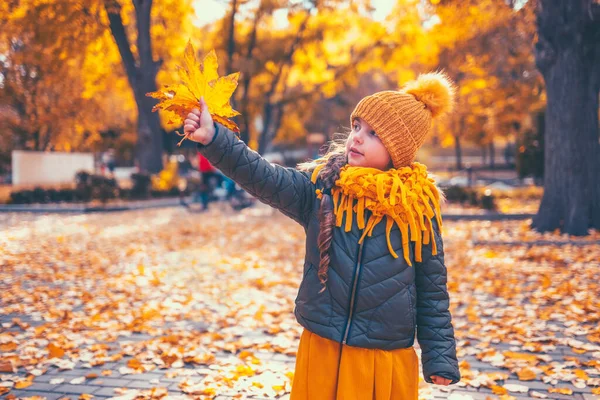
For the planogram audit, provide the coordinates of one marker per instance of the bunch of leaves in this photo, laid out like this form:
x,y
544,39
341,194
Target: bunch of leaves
x,y
199,80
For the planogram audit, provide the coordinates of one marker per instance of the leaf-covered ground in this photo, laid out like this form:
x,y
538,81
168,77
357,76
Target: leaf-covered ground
x,y
158,303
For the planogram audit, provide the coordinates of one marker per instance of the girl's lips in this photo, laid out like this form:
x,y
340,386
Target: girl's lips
x,y
354,153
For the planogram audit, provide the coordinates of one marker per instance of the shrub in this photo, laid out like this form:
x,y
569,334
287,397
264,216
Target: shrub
x,y
457,194
140,188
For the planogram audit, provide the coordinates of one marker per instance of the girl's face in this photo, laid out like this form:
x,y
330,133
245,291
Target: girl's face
x,y
365,149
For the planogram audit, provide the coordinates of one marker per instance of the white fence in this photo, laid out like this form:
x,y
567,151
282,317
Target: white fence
x,y
38,168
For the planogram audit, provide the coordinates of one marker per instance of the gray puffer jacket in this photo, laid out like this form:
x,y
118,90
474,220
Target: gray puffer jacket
x,y
371,300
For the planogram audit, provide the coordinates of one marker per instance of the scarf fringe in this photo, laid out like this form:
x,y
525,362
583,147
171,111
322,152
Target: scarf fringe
x,y
402,196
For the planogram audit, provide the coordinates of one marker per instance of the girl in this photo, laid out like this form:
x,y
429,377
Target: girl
x,y
374,268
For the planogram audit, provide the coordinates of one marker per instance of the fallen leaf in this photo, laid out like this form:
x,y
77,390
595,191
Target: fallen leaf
x,y
23,384
526,374
77,381
55,351
560,390
538,395
7,366
516,388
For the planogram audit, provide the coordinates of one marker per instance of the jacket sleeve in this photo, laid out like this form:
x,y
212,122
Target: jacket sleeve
x,y
434,321
286,189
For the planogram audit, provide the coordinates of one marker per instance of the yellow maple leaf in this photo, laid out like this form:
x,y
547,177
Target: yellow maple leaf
x,y
199,80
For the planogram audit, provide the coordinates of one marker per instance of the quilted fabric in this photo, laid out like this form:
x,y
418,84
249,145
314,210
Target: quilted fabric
x,y
392,300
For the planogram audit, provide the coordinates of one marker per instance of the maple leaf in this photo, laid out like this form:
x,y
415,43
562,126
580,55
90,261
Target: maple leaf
x,y
199,80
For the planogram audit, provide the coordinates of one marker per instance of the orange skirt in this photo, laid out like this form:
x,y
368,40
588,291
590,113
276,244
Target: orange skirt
x,y
364,374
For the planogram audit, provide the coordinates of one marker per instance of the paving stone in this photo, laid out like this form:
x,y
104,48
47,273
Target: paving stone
x,y
41,387
109,382
77,389
105,391
590,396
535,385
145,376
481,366
558,396
145,384
283,357
71,372
30,393
97,370
587,389
52,396
474,395
46,378
177,379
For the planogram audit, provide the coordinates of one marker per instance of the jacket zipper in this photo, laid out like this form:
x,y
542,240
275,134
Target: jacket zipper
x,y
352,297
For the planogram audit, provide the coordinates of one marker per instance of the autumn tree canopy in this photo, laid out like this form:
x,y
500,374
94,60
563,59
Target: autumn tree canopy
x,y
321,54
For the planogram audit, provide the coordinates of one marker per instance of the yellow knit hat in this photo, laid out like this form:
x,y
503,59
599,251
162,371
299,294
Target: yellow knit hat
x,y
403,118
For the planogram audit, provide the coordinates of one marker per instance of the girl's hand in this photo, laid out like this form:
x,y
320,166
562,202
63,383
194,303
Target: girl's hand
x,y
199,126
438,380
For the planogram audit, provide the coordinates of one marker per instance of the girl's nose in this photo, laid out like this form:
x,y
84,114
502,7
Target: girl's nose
x,y
358,138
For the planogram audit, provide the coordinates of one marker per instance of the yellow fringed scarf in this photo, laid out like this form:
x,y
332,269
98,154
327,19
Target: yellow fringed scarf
x,y
403,196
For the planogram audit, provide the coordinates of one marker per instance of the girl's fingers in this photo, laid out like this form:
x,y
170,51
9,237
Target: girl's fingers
x,y
191,123
189,128
193,116
438,380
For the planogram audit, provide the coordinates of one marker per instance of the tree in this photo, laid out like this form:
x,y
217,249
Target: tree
x,y
485,47
42,109
141,74
82,28
287,71
568,55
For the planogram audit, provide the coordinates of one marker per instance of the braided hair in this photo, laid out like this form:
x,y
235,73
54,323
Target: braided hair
x,y
334,160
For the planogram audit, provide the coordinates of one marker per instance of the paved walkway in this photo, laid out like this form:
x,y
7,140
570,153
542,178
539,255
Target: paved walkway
x,y
106,380
115,372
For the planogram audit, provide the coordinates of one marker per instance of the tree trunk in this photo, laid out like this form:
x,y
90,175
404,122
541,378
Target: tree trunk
x,y
231,39
267,134
568,55
266,137
247,76
150,145
141,75
492,154
458,153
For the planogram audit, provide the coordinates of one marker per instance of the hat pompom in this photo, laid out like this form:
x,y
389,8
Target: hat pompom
x,y
435,90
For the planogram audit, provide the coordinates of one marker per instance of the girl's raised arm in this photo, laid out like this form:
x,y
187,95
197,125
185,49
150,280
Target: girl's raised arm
x,y
286,189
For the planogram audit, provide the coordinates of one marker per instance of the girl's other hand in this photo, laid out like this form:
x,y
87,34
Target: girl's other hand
x,y
438,380
199,125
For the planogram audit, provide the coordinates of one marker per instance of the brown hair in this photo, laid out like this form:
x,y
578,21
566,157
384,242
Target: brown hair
x,y
334,160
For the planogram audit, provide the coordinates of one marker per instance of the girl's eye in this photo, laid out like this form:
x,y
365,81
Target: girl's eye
x,y
373,133
356,127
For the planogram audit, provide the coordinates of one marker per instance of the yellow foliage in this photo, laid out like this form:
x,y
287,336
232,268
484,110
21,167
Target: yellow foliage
x,y
168,178
199,80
